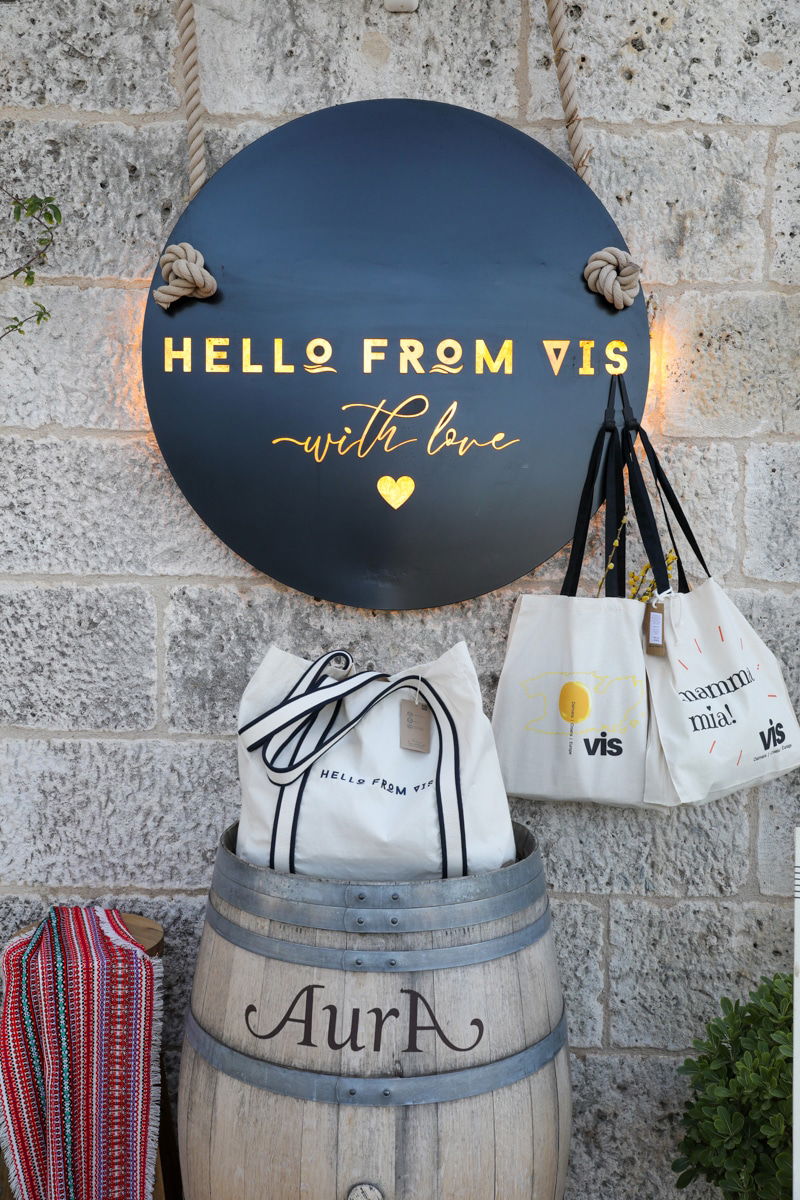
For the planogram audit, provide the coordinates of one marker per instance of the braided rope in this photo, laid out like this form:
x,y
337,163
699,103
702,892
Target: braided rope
x,y
610,272
184,273
565,68
193,104
182,266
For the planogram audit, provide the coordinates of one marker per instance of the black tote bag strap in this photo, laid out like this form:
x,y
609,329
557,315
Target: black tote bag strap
x,y
645,518
666,494
283,733
665,491
615,529
613,493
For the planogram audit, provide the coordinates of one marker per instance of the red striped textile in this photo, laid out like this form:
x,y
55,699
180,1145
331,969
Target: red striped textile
x,y
79,1075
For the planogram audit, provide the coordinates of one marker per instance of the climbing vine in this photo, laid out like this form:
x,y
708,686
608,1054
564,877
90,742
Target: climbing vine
x,y
41,216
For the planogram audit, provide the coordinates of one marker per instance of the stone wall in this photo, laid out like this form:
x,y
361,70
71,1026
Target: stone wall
x,y
128,631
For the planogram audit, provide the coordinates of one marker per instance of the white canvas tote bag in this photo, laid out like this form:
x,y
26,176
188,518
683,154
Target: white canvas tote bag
x,y
571,715
328,790
722,712
570,718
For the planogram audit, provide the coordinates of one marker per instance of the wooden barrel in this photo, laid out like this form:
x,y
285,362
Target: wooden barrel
x,y
376,1041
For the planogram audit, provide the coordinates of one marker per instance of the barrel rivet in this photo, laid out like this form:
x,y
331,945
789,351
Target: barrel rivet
x,y
395,895
392,962
359,962
352,1091
362,895
394,920
387,1091
360,921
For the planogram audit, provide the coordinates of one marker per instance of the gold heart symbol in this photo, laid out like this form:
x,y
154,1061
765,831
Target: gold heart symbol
x,y
396,491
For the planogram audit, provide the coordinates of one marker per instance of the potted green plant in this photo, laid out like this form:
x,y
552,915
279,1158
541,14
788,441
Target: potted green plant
x,y
738,1120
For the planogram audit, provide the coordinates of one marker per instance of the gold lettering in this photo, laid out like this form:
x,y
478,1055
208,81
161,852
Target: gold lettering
x,y
379,431
185,355
448,352
586,367
411,351
556,352
318,351
279,366
465,444
620,362
504,357
249,367
373,353
387,432
215,359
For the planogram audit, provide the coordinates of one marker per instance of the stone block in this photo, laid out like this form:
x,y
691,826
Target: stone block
x,y
770,512
543,99
279,58
223,141
778,816
121,189
216,638
626,1128
712,63
688,203
97,57
695,850
77,658
149,813
726,362
671,964
17,911
100,505
100,386
706,479
775,616
785,219
578,933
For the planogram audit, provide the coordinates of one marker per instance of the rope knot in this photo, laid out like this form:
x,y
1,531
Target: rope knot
x,y
612,273
185,274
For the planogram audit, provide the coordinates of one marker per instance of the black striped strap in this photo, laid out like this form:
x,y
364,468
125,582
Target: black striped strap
x,y
294,734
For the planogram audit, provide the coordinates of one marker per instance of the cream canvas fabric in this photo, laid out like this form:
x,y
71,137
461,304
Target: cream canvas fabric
x,y
570,719
328,790
724,717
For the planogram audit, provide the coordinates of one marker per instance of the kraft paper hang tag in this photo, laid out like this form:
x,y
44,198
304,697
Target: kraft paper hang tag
x,y
415,726
654,629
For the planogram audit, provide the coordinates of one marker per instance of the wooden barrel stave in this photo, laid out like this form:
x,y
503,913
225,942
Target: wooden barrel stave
x,y
239,1140
438,1152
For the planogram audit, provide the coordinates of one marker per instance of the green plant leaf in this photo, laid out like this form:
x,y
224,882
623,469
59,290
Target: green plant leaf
x,y
737,1121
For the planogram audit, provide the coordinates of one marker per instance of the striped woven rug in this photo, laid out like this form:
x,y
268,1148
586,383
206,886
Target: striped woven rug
x,y
79,1072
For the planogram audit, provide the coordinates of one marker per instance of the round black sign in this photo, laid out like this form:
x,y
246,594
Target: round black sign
x,y
391,400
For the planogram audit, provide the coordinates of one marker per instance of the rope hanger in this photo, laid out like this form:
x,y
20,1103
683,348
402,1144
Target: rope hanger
x,y
610,272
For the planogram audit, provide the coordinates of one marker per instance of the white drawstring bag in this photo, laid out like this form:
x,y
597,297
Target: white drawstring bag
x,y
328,789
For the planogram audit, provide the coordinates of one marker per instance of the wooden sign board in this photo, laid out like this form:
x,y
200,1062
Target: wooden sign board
x,y
391,400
